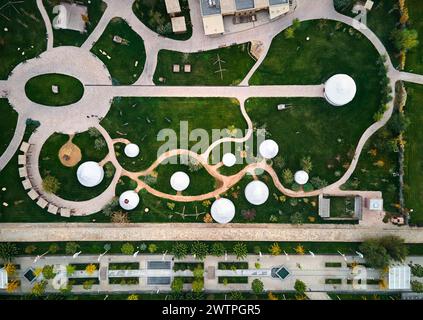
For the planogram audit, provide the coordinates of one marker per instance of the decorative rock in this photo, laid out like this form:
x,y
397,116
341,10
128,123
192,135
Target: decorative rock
x,y
55,89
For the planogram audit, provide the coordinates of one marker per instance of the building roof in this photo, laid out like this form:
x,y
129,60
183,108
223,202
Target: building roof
x,y
172,6
178,24
129,200
227,6
256,192
269,149
261,4
278,10
276,2
210,7
70,16
223,210
324,207
399,277
301,177
213,24
244,4
179,181
90,174
376,204
340,89
228,159
132,150
3,278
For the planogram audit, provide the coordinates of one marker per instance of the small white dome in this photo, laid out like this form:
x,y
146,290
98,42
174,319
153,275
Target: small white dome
x,y
90,174
223,210
179,181
256,192
340,89
229,159
269,149
301,177
132,150
129,200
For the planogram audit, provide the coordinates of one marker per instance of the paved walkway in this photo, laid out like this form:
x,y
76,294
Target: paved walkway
x,y
47,23
33,232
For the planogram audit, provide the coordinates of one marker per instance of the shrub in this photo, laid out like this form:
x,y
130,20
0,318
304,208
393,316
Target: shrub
x,y
300,286
87,285
8,251
39,288
180,250
308,187
275,249
152,248
48,272
53,248
297,218
198,285
240,250
51,184
217,249
30,249
236,295
416,286
257,286
177,285
70,269
375,254
200,250
90,269
71,247
417,270
249,214
127,248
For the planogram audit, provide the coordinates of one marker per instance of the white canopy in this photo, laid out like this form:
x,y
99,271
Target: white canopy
x,y
179,181
223,210
90,174
256,192
399,277
132,150
340,89
269,149
3,278
129,200
301,177
229,159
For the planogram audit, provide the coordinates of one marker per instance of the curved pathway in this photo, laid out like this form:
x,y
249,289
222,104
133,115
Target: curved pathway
x,y
47,22
14,143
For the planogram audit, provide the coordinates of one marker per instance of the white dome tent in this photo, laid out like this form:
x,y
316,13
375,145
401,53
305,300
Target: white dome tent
x,y
301,177
129,200
179,181
223,210
256,192
132,150
90,174
340,89
269,149
229,159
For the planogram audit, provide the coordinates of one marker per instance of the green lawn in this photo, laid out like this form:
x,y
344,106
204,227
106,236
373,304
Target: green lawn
x,y
50,164
141,119
341,207
126,59
62,37
154,15
39,89
413,189
237,63
9,117
415,56
25,37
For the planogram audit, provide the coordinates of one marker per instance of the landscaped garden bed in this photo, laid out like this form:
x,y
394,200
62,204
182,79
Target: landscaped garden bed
x,y
232,265
181,266
124,266
124,281
230,280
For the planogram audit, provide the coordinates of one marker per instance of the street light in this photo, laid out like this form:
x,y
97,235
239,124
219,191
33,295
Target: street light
x,y
343,255
287,257
135,254
360,254
311,253
76,254
164,255
39,257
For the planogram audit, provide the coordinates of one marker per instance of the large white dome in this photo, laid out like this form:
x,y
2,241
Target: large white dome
x,y
229,159
179,181
340,89
301,177
269,149
90,174
132,150
256,192
129,200
223,210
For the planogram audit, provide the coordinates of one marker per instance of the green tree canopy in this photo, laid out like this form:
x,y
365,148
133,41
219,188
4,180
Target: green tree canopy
x,y
257,286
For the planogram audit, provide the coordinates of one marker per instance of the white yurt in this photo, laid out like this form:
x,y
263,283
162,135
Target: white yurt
x,y
179,181
301,177
268,149
90,174
129,200
256,192
340,89
228,159
223,210
132,150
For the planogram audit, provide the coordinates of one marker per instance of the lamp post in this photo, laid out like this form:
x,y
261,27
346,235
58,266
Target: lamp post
x,y
164,255
343,255
136,253
360,254
312,253
40,256
76,254
101,255
287,257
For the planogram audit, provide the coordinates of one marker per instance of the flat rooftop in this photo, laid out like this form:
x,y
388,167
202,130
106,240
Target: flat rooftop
x,y
210,7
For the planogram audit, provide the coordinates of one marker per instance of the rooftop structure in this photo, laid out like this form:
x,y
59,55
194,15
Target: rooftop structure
x,y
269,149
228,159
90,174
340,89
3,278
178,24
129,200
172,6
132,150
256,192
70,17
399,277
223,210
301,177
179,181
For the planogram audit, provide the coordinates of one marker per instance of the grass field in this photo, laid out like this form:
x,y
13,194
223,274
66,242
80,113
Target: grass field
x,y
236,63
413,189
9,117
62,37
70,188
154,15
25,37
141,119
39,89
415,56
127,59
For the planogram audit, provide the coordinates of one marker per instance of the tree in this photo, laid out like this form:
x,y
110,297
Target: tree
x,y
395,247
271,296
177,285
12,286
275,249
87,285
417,270
318,183
289,33
30,249
70,269
127,248
299,249
152,248
199,250
240,250
110,207
53,248
416,286
10,269
236,295
8,251
197,285
306,164
39,288
99,143
51,184
48,272
287,176
90,269
297,218
375,254
93,132
300,286
132,297
198,272
296,23
217,249
257,286
119,217
179,250
71,247
405,39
